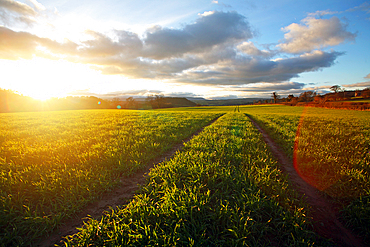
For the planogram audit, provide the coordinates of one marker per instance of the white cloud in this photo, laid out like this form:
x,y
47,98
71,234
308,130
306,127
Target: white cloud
x,y
314,34
17,7
38,5
221,3
207,13
16,12
363,7
321,13
250,49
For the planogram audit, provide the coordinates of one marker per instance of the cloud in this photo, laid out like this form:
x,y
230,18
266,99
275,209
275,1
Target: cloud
x,y
268,87
116,94
221,3
17,7
245,70
314,34
250,49
223,97
14,11
321,13
363,7
140,92
359,84
181,94
16,45
127,45
37,5
214,50
208,31
218,68
283,89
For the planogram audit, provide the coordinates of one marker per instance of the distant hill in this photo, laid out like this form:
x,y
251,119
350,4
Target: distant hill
x,y
195,98
162,102
226,102
179,102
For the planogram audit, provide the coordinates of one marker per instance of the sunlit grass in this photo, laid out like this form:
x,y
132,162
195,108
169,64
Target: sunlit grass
x,y
331,151
223,189
53,163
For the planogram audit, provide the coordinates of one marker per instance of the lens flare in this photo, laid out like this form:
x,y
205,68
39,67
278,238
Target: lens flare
x,y
324,153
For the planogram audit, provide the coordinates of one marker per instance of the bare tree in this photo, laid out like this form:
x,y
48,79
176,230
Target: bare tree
x,y
275,96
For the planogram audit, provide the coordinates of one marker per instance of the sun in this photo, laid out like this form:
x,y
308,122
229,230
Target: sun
x,y
43,79
43,96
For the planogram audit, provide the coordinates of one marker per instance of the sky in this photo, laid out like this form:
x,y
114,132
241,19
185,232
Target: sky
x,y
194,48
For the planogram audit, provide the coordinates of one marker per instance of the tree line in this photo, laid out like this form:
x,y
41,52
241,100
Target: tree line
x,y
338,94
11,101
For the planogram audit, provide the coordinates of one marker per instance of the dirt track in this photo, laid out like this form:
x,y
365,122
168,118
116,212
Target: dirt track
x,y
323,211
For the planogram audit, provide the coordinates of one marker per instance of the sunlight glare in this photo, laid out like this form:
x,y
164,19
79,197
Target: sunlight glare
x,y
43,79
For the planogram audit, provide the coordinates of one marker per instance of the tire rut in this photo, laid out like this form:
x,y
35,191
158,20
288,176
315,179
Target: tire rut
x,y
323,211
121,195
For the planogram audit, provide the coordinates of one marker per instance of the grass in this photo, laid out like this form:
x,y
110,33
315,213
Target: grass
x,y
223,189
331,151
53,163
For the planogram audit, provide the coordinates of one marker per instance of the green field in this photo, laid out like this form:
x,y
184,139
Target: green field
x,y
53,163
331,151
224,188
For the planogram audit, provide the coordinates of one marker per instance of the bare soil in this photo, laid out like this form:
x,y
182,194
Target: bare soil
x,y
121,195
323,211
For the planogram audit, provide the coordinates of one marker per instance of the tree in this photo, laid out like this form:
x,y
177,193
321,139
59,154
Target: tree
x,y
159,99
156,101
131,103
116,103
335,88
344,92
307,96
275,96
366,92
